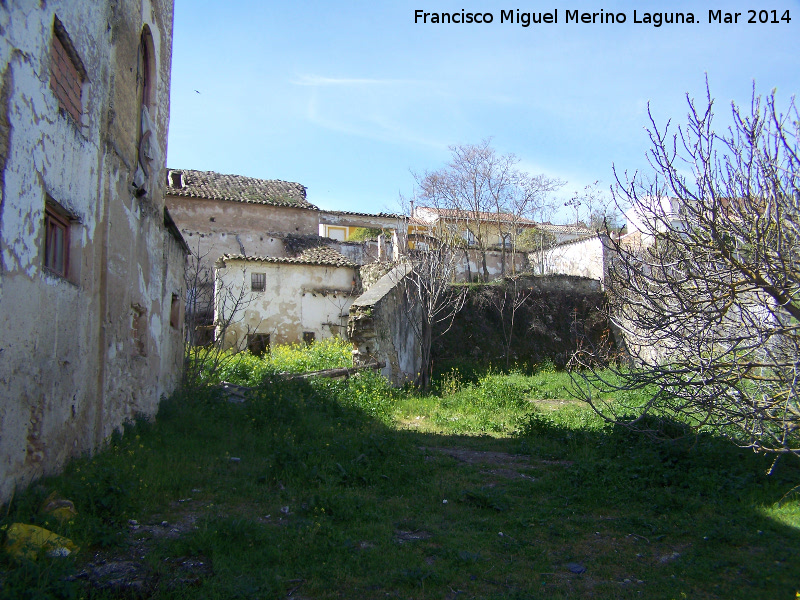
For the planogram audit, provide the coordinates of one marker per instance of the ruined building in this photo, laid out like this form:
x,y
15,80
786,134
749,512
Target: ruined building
x,y
91,265
259,263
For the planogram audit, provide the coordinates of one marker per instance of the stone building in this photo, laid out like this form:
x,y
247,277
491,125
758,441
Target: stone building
x,y
267,300
234,214
91,266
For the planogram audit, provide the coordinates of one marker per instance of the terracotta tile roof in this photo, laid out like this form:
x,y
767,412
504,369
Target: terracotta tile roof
x,y
236,188
566,229
322,256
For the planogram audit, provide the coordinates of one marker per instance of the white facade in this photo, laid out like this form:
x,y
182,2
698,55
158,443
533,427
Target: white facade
x,y
582,258
299,300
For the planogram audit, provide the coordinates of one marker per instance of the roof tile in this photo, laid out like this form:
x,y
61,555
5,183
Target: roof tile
x,y
322,256
189,183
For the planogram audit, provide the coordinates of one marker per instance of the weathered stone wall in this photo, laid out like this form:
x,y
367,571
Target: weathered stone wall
x,y
298,298
216,227
381,328
372,273
556,313
84,351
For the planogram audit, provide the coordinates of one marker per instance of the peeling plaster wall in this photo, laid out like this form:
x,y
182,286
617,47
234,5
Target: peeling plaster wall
x,y
70,370
298,298
381,329
216,227
356,220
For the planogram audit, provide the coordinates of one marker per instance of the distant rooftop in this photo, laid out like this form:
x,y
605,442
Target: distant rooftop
x,y
427,214
189,183
322,256
566,229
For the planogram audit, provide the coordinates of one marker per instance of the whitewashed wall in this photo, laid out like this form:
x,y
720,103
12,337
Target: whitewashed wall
x,y
298,298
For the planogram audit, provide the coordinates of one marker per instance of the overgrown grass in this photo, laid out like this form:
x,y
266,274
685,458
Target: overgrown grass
x,y
311,490
247,369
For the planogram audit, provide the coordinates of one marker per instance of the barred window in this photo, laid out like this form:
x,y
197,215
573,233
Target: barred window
x,y
258,282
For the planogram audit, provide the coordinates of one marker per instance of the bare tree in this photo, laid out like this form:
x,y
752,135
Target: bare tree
x,y
211,309
705,286
483,196
536,240
429,290
596,208
507,299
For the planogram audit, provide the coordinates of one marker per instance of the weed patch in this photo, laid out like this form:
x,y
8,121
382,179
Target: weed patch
x,y
310,489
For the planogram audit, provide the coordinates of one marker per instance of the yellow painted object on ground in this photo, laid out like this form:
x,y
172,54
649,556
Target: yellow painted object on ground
x,y
28,541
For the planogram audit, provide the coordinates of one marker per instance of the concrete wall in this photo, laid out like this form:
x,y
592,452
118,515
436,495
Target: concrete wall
x,y
381,328
581,258
298,298
82,353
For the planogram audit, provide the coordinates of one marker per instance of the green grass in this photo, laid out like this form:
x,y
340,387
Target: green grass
x,y
249,370
339,491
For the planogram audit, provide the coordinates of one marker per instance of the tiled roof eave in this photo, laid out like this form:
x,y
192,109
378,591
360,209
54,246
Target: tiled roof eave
x,y
305,206
344,262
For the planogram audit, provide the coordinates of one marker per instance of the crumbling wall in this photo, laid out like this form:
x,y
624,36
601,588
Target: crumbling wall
x,y
371,273
297,299
558,312
382,327
85,349
216,227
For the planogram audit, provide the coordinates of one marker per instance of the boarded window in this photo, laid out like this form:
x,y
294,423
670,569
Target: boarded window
x,y
66,73
258,343
56,241
309,337
258,282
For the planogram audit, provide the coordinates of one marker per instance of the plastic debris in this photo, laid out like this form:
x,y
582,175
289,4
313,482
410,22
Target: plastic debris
x,y
28,541
61,508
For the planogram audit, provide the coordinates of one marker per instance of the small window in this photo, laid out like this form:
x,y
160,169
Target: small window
x,y
258,282
309,337
175,312
67,73
258,343
56,241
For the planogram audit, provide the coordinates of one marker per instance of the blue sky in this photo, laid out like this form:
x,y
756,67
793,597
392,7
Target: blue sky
x,y
348,98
